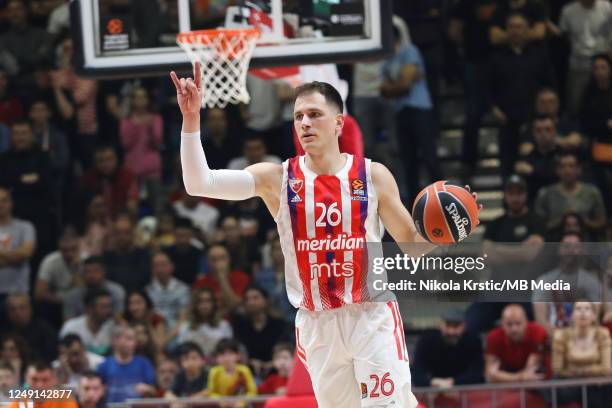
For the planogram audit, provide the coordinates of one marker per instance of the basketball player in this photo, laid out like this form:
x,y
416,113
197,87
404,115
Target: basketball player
x,y
354,348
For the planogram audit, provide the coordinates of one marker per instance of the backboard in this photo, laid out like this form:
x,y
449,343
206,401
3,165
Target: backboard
x,y
122,38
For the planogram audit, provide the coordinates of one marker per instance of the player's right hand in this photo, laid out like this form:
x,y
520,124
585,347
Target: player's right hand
x,y
189,91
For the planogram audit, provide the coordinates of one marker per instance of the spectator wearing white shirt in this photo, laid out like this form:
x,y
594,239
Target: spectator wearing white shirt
x,y
202,215
74,361
254,151
95,327
170,296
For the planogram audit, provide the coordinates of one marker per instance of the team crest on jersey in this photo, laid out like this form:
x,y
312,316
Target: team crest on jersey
x,y
358,190
364,390
296,185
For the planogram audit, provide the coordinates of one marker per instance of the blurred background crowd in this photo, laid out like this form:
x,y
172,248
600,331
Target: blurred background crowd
x,y
110,273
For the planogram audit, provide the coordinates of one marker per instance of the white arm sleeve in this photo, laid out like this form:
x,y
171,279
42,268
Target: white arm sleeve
x,y
202,181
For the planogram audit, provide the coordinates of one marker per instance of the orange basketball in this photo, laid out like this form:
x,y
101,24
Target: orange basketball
x,y
445,213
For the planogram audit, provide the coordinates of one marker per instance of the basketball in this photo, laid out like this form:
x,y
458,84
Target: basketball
x,y
445,213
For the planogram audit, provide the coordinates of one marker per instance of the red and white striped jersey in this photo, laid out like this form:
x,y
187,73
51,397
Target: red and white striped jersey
x,y
324,223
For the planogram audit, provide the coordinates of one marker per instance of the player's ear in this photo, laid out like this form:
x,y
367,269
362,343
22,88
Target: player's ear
x,y
339,123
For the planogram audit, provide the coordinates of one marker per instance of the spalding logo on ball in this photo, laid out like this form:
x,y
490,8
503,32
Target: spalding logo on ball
x,y
445,213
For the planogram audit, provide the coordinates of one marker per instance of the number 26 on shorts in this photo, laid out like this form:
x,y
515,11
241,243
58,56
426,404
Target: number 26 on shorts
x,y
382,385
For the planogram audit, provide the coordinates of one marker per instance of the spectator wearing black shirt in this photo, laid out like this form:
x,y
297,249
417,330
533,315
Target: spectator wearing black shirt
x,y
539,167
218,140
511,243
531,10
257,330
27,45
448,356
125,263
596,121
192,379
469,29
186,253
37,333
547,104
518,70
26,170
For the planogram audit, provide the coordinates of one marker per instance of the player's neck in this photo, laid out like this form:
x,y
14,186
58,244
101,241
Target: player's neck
x,y
327,163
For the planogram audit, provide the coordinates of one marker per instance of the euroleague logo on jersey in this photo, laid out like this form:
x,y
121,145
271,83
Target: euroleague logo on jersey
x,y
358,192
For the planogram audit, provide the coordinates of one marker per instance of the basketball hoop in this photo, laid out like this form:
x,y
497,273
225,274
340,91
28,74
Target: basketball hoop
x,y
224,56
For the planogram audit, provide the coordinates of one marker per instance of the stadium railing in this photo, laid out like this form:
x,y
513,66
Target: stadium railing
x,y
429,394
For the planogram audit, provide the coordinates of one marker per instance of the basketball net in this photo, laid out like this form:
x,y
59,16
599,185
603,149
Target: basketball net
x,y
224,56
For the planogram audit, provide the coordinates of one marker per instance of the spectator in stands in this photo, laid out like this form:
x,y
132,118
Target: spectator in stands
x,y
126,263
552,309
203,215
81,105
448,356
586,23
533,12
170,296
141,135
518,70
51,140
59,19
511,242
26,170
204,326
186,253
139,309
94,278
10,105
583,350
539,167
257,330
514,351
263,116
58,274
218,140
15,352
74,361
17,243
243,249
40,11
571,195
273,281
228,377
192,379
125,374
595,114
167,371
115,183
39,335
547,104
254,151
570,223
41,377
9,380
282,363
91,390
145,343
26,45
95,327
94,227
228,285
469,29
164,232
405,83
